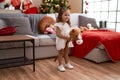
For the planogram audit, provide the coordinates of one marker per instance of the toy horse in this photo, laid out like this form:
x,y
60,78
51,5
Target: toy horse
x,y
75,35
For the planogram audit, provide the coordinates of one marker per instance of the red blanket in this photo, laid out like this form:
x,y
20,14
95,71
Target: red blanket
x,y
91,39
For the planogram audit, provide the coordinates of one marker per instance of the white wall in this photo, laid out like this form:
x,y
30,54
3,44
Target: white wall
x,y
76,6
37,2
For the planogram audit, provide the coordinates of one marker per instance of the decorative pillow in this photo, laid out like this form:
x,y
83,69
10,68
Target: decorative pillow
x,y
22,24
45,22
83,21
10,30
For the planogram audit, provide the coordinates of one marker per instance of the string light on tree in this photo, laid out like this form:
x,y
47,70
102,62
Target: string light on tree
x,y
53,6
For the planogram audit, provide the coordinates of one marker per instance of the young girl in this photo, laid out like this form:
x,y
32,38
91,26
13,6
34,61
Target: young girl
x,y
62,31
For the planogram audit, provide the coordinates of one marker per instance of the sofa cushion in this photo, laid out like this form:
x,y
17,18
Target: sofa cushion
x,y
83,21
22,24
74,19
40,40
28,43
46,40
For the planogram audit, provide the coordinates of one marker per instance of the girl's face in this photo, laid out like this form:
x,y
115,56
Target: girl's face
x,y
66,16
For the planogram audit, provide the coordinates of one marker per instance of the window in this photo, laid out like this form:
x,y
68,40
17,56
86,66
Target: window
x,y
104,10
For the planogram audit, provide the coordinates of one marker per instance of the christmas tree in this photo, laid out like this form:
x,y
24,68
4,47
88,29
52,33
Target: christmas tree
x,y
53,6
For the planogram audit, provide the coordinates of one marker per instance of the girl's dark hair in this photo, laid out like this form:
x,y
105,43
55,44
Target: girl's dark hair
x,y
59,18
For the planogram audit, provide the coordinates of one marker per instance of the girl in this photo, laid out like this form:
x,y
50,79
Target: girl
x,y
62,31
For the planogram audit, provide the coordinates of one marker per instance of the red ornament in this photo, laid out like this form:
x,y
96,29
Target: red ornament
x,y
86,11
86,2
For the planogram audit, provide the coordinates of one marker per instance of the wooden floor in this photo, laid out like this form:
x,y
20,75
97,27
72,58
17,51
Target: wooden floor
x,y
46,69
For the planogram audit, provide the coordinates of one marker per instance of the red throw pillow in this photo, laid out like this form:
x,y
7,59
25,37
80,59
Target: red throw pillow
x,y
10,30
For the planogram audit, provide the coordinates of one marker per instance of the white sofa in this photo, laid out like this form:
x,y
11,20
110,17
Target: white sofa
x,y
44,44
28,25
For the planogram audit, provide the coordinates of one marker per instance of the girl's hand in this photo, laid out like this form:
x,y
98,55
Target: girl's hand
x,y
68,38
